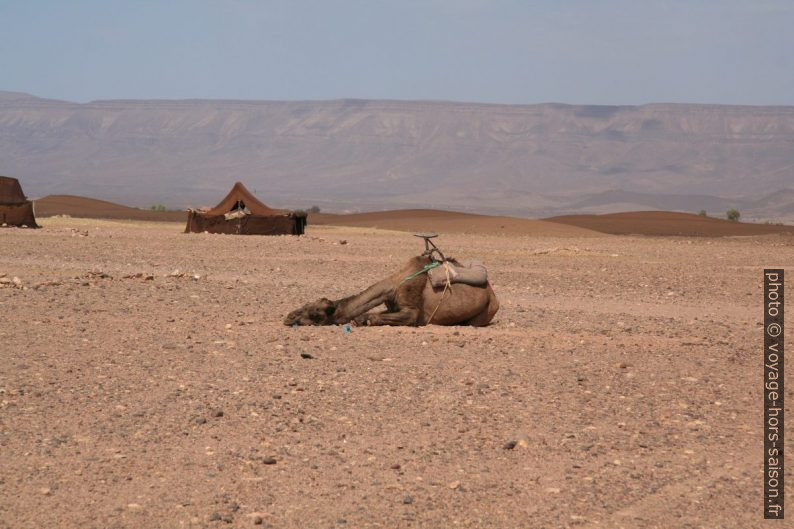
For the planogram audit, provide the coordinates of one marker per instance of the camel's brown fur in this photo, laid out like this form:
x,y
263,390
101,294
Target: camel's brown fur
x,y
412,302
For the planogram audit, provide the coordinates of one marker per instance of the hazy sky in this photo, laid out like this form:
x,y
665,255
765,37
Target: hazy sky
x,y
502,51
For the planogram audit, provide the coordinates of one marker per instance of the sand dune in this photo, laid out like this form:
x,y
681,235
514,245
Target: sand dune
x,y
667,223
413,220
92,208
417,220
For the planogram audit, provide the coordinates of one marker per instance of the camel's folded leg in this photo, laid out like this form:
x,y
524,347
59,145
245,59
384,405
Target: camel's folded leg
x,y
402,317
352,307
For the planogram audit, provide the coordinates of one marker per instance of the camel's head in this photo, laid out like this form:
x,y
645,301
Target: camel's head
x,y
320,312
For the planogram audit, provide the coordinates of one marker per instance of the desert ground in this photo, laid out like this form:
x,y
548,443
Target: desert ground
x,y
147,380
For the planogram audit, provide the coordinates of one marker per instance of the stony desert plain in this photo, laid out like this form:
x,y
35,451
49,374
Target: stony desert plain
x,y
147,380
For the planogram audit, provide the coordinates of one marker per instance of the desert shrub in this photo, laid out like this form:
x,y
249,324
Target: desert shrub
x,y
702,213
158,207
314,209
733,215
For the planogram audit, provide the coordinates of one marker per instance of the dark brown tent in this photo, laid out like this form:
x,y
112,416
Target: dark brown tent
x,y
15,209
241,213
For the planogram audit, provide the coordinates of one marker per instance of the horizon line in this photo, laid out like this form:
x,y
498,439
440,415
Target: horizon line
x,y
359,100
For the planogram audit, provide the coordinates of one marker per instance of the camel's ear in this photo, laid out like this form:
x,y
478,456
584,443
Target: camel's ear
x,y
330,310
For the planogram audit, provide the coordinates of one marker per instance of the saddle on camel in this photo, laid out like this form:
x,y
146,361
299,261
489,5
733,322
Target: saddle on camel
x,y
429,289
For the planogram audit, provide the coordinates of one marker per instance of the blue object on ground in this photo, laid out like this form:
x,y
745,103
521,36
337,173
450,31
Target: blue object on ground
x,y
347,328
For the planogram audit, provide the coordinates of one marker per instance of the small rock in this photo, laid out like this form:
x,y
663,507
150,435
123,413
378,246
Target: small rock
x,y
214,517
306,356
455,485
200,420
228,518
408,500
553,490
17,281
269,460
217,413
258,520
234,507
396,466
46,491
521,442
343,241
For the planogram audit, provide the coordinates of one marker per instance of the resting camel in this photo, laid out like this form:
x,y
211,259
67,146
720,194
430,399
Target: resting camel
x,y
410,300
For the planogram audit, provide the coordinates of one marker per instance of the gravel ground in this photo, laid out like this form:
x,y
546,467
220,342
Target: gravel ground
x,y
146,380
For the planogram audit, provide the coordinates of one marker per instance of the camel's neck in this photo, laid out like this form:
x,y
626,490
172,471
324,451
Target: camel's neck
x,y
354,306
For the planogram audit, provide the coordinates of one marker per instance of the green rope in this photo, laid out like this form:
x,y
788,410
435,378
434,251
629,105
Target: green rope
x,y
427,267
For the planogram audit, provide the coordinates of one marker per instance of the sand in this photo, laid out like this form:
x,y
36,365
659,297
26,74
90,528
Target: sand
x,y
422,220
91,208
668,223
624,371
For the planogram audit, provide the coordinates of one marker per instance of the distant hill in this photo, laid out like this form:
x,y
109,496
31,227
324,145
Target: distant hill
x,y
423,220
667,223
416,220
76,206
778,204
613,200
527,160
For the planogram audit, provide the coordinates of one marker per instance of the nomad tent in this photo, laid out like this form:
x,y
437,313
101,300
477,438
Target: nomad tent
x,y
241,213
15,209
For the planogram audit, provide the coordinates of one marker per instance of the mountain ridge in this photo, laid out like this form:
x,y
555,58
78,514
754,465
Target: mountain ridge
x,y
531,160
